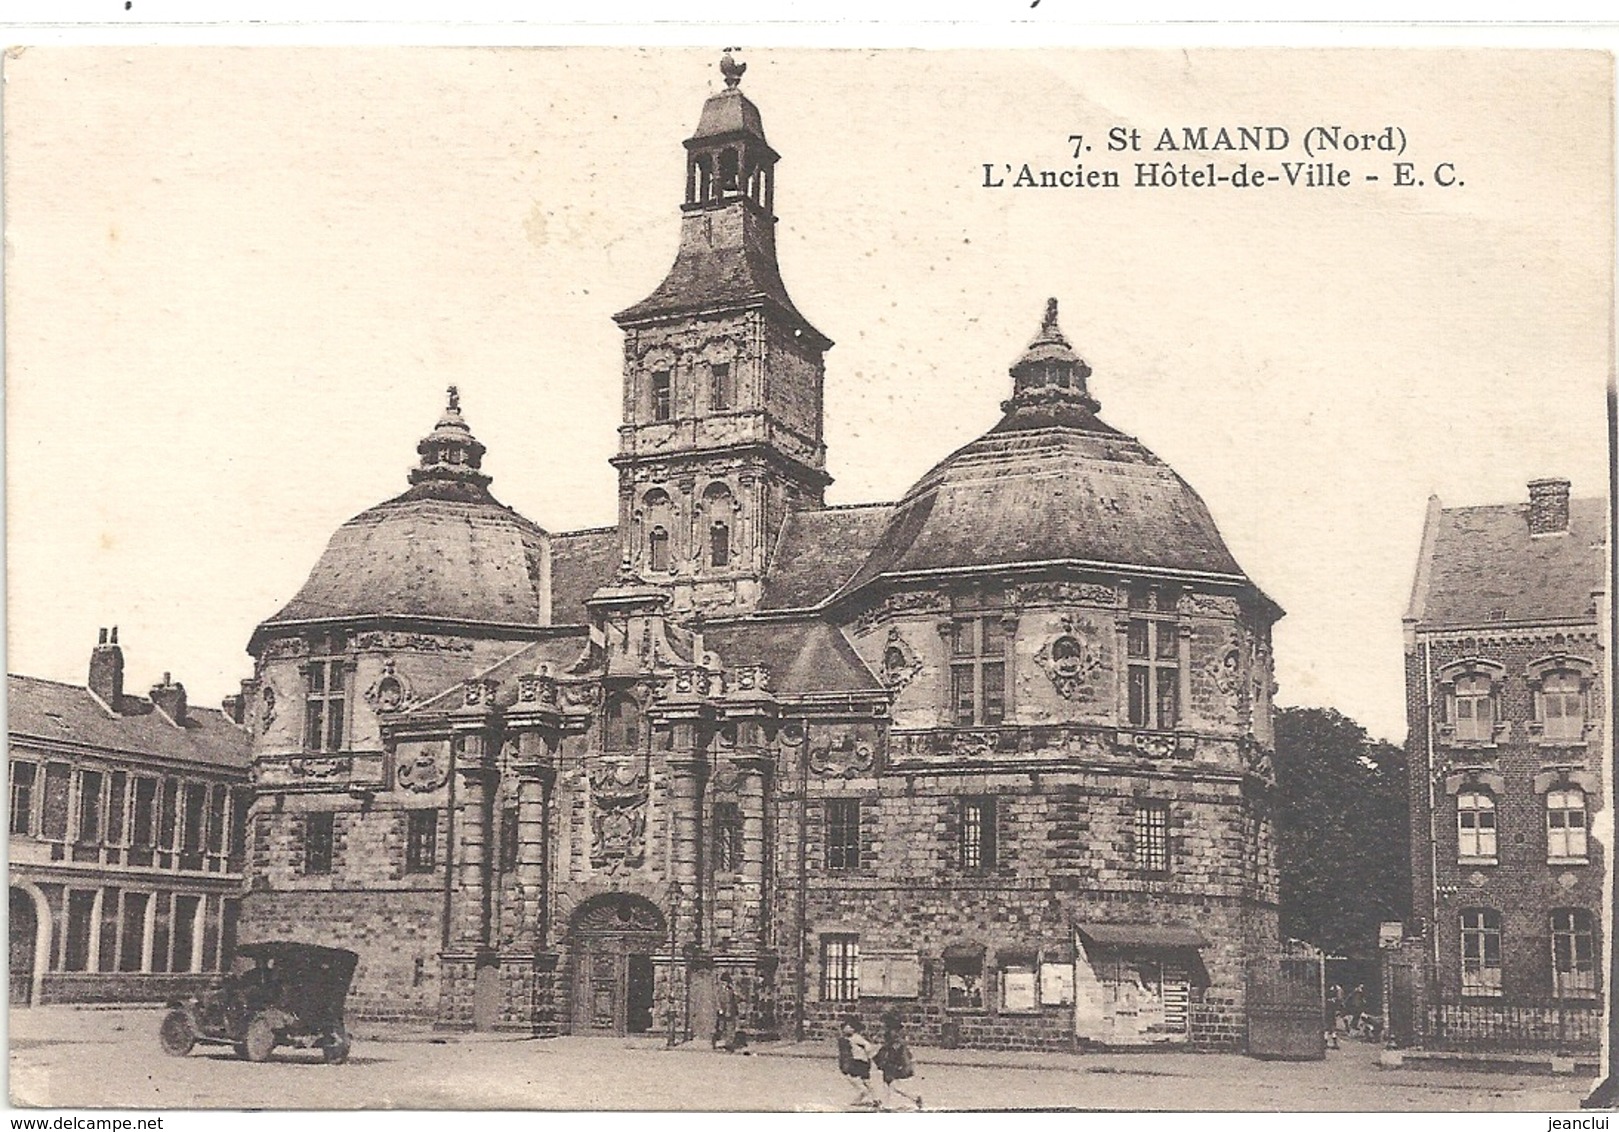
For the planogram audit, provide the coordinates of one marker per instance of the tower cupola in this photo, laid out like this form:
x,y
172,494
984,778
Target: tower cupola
x,y
727,158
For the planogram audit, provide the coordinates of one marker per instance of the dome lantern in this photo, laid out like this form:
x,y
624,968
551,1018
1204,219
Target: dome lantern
x,y
1049,381
450,454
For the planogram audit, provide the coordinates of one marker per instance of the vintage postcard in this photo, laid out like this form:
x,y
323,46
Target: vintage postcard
x,y
769,578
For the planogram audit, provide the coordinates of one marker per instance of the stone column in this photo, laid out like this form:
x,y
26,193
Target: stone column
x,y
533,788
469,838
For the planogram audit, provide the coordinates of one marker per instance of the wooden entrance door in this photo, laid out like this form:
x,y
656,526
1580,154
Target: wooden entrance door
x,y
613,986
615,938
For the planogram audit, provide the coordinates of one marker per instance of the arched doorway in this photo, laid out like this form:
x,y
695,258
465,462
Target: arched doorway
x,y
614,939
25,949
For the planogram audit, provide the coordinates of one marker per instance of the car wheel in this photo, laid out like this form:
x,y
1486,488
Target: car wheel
x,y
177,1034
336,1049
259,1039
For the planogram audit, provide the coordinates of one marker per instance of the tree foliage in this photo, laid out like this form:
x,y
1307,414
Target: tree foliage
x,y
1343,839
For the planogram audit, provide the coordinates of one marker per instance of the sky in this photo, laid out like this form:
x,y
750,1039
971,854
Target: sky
x,y
239,279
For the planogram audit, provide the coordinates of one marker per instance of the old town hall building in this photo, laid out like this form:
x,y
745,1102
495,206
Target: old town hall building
x,y
997,754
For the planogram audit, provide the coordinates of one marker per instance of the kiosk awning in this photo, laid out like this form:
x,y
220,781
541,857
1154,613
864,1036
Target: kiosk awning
x,y
1140,935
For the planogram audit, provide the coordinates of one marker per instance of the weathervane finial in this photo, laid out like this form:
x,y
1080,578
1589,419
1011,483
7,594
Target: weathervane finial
x,y
731,69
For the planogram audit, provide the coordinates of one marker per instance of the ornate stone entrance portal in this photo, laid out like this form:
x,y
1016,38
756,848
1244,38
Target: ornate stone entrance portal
x,y
614,940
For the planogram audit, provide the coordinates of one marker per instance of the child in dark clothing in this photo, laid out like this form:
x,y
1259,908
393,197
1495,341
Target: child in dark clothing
x,y
855,1052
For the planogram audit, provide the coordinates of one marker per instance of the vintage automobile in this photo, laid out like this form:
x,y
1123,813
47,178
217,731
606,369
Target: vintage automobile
x,y
275,994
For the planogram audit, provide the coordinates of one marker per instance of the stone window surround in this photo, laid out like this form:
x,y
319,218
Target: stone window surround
x,y
1445,721
1487,783
337,660
1537,672
1553,779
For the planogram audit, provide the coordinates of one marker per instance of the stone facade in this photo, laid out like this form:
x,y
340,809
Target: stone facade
x,y
1504,692
992,756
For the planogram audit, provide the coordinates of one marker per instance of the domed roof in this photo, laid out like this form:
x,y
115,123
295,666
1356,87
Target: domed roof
x,y
1050,483
445,550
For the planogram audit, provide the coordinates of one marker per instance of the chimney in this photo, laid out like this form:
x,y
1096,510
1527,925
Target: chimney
x,y
107,671
235,707
1548,507
170,699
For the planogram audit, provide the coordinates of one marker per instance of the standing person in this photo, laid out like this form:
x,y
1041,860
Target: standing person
x,y
1355,1006
725,1016
1335,1014
894,1058
855,1052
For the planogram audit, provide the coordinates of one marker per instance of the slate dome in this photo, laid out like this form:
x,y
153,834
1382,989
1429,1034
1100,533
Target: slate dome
x,y
446,550
1050,483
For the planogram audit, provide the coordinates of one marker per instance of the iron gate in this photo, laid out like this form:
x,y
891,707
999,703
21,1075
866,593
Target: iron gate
x,y
1287,1003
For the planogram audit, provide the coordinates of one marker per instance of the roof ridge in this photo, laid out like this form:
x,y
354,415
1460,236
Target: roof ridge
x,y
585,531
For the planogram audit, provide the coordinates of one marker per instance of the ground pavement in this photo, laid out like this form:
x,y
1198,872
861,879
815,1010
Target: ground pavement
x,y
61,1057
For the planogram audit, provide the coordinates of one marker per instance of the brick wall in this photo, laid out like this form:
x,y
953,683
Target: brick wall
x,y
60,986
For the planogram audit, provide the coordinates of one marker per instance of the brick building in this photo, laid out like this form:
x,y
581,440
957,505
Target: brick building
x,y
997,753
126,839
1504,664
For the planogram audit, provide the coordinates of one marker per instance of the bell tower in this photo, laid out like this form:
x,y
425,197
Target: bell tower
x,y
722,432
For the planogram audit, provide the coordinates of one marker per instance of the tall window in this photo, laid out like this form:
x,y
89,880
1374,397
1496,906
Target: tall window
x,y
1475,826
89,822
421,841
54,811
657,550
1565,824
727,837
977,834
662,396
144,834
1481,952
1474,709
132,931
80,916
842,833
324,702
1153,647
1562,707
510,840
840,968
117,790
978,671
623,731
318,839
191,834
719,545
964,980
22,798
1574,954
721,391
1152,836
217,797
